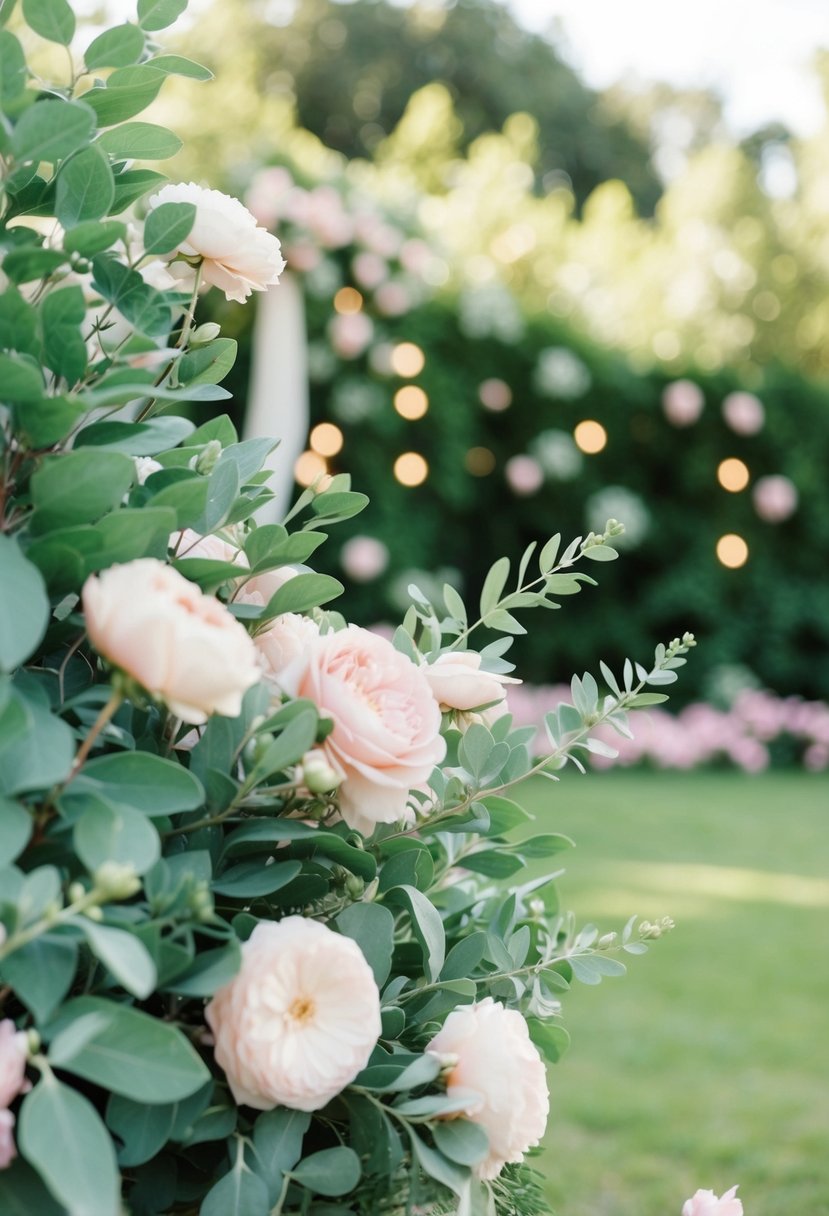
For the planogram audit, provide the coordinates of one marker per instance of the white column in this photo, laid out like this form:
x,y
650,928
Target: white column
x,y
278,396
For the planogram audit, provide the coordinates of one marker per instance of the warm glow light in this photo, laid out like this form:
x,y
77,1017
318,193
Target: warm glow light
x,y
326,439
347,301
732,475
407,359
590,436
732,551
411,469
411,402
308,467
479,461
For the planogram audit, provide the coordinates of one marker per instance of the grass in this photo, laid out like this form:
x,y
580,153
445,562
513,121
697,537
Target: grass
x,y
708,1064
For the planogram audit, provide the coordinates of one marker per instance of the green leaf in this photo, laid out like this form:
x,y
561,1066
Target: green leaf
x,y
52,19
18,323
158,14
252,879
24,606
212,969
331,1172
123,954
78,487
13,71
427,926
23,1194
140,141
177,65
45,422
168,226
110,833
43,756
288,747
64,351
277,1143
50,130
143,1129
15,826
433,1163
140,780
133,1054
464,957
551,1039
136,438
94,237
461,1140
132,185
127,92
239,1193
115,48
207,364
62,1136
20,379
371,926
85,187
32,262
41,973
303,592
222,492
123,287
600,553
188,498
494,585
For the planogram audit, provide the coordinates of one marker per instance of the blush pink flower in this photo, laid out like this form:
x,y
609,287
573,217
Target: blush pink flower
x,y
182,646
13,1055
386,738
8,1150
706,1203
192,544
299,1020
283,643
458,682
500,1070
237,255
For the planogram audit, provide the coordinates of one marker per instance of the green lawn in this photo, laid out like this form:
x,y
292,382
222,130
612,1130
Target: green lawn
x,y
708,1064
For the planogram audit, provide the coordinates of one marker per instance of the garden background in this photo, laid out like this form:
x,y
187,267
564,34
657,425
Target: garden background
x,y
569,304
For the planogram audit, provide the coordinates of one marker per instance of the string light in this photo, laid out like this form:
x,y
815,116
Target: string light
x,y
407,360
326,439
347,301
732,551
733,475
479,461
411,402
308,467
590,436
411,469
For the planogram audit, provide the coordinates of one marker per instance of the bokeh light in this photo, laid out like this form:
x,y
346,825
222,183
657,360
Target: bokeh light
x,y
411,402
733,475
732,551
590,436
410,469
407,359
347,301
308,467
326,439
479,461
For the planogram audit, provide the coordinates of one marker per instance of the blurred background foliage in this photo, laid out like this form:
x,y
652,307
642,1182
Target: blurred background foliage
x,y
627,230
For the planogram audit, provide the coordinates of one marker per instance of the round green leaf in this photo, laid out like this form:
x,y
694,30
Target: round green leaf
x,y
168,226
109,833
239,1193
52,19
13,71
461,1141
140,141
85,187
334,1171
158,14
24,605
15,828
115,48
143,781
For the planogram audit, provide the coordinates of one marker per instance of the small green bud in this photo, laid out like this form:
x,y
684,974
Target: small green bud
x,y
256,748
33,1041
51,911
689,640
202,334
606,941
537,909
354,886
208,457
76,892
318,775
116,881
94,914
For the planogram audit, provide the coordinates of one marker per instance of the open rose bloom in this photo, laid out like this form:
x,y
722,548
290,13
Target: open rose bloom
x,y
299,1020
237,255
386,738
706,1203
182,646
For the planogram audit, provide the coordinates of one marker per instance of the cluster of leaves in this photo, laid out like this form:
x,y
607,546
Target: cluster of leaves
x,y
133,870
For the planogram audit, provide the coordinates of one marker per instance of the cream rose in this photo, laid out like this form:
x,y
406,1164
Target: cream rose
x,y
457,681
706,1203
237,256
500,1069
299,1020
181,645
386,738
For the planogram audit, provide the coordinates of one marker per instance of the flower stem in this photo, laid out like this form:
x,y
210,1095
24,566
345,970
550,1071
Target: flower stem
x,y
104,717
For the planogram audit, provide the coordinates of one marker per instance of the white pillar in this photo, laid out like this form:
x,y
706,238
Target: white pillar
x,y
278,396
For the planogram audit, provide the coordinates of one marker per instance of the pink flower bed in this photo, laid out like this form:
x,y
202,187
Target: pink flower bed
x,y
699,734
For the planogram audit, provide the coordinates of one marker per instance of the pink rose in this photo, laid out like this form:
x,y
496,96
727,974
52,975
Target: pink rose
x,y
181,645
237,256
457,681
8,1151
14,1051
192,544
299,1020
499,1068
386,738
284,642
706,1203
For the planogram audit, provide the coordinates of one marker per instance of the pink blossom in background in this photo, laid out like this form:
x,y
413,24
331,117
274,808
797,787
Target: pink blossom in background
x,y
302,256
262,199
364,558
377,236
682,402
706,1203
524,475
370,270
495,395
350,334
744,413
327,218
415,255
775,498
392,299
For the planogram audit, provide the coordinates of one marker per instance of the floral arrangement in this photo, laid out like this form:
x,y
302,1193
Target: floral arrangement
x,y
255,954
